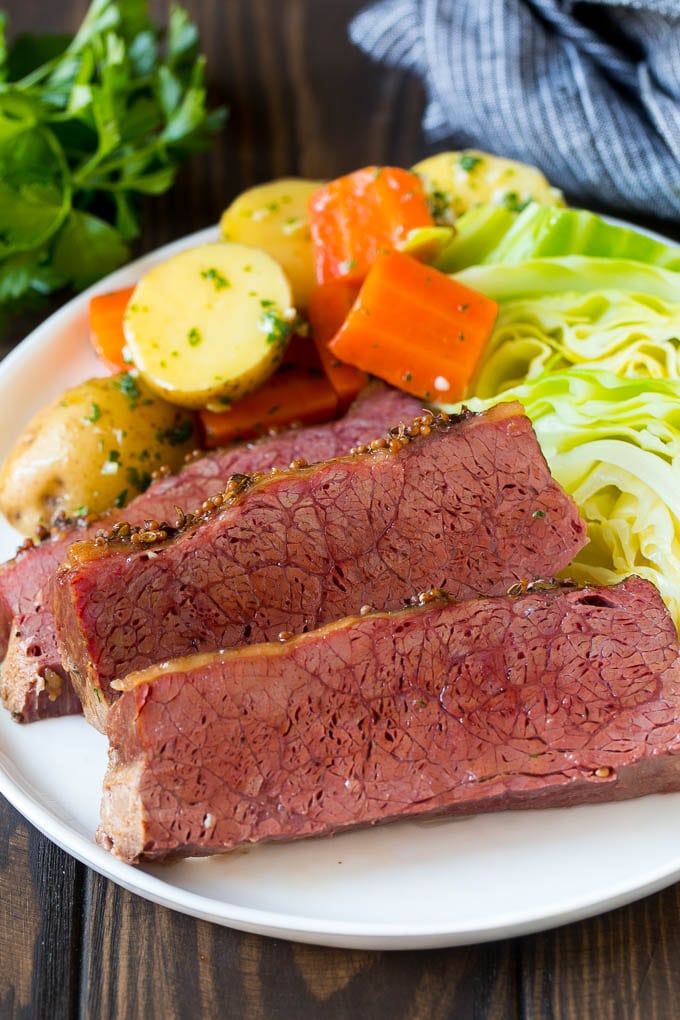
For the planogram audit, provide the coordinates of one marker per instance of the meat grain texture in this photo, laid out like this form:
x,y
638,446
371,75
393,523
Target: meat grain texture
x,y
34,683
466,504
544,699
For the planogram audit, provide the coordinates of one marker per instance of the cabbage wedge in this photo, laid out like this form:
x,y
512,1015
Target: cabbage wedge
x,y
613,315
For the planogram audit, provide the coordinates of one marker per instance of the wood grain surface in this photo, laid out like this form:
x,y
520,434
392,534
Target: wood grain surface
x,y
72,944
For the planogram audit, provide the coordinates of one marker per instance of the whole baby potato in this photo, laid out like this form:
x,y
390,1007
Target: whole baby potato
x,y
94,448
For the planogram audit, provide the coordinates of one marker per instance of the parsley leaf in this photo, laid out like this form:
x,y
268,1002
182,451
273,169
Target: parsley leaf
x,y
85,233
87,126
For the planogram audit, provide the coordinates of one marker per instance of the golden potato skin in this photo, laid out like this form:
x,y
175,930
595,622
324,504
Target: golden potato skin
x,y
93,448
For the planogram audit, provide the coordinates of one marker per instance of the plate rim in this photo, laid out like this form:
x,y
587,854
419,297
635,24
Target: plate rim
x,y
337,933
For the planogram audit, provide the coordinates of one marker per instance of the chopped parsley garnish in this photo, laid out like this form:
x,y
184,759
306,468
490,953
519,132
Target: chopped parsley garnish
x,y
468,162
277,329
127,384
96,414
178,434
114,456
538,513
513,203
120,499
216,277
194,336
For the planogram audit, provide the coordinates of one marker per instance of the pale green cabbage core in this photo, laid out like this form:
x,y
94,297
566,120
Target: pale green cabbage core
x,y
614,445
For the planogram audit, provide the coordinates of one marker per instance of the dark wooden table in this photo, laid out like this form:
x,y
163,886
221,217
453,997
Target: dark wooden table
x,y
303,101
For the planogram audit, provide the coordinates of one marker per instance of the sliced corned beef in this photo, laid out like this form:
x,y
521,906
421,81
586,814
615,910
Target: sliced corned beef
x,y
33,683
464,503
545,699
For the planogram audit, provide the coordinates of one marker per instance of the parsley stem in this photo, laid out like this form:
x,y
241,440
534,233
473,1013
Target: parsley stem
x,y
108,166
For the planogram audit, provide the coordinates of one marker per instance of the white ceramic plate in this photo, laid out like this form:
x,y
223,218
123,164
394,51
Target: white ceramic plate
x,y
407,885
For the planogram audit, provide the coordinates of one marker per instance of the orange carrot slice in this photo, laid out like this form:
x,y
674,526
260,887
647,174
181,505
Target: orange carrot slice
x,y
106,327
354,217
416,328
297,392
328,307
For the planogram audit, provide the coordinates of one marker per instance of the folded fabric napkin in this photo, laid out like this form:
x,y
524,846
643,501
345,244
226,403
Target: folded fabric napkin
x,y
588,91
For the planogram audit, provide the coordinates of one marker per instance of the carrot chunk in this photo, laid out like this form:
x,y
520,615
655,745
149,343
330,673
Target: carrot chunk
x,y
297,392
416,328
106,327
354,217
328,307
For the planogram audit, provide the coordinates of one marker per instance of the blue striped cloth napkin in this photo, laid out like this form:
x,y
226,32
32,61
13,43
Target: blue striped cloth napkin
x,y
588,91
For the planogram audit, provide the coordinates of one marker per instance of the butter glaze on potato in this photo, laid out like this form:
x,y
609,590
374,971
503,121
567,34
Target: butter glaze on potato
x,y
94,448
273,216
210,325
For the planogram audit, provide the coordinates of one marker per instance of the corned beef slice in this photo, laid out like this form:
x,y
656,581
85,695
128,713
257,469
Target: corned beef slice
x,y
466,504
544,699
33,683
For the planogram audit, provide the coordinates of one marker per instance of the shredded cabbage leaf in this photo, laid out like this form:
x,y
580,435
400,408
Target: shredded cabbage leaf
x,y
614,445
610,314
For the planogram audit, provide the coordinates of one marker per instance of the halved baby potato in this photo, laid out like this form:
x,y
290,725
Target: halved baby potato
x,y
273,216
210,324
456,181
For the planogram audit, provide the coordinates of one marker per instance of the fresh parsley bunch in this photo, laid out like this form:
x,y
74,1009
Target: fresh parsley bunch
x,y
87,125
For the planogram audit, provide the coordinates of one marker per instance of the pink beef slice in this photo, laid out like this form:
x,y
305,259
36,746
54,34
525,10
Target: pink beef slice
x,y
466,504
33,683
546,699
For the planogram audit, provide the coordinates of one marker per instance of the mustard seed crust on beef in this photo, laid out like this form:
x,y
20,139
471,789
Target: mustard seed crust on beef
x,y
34,684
